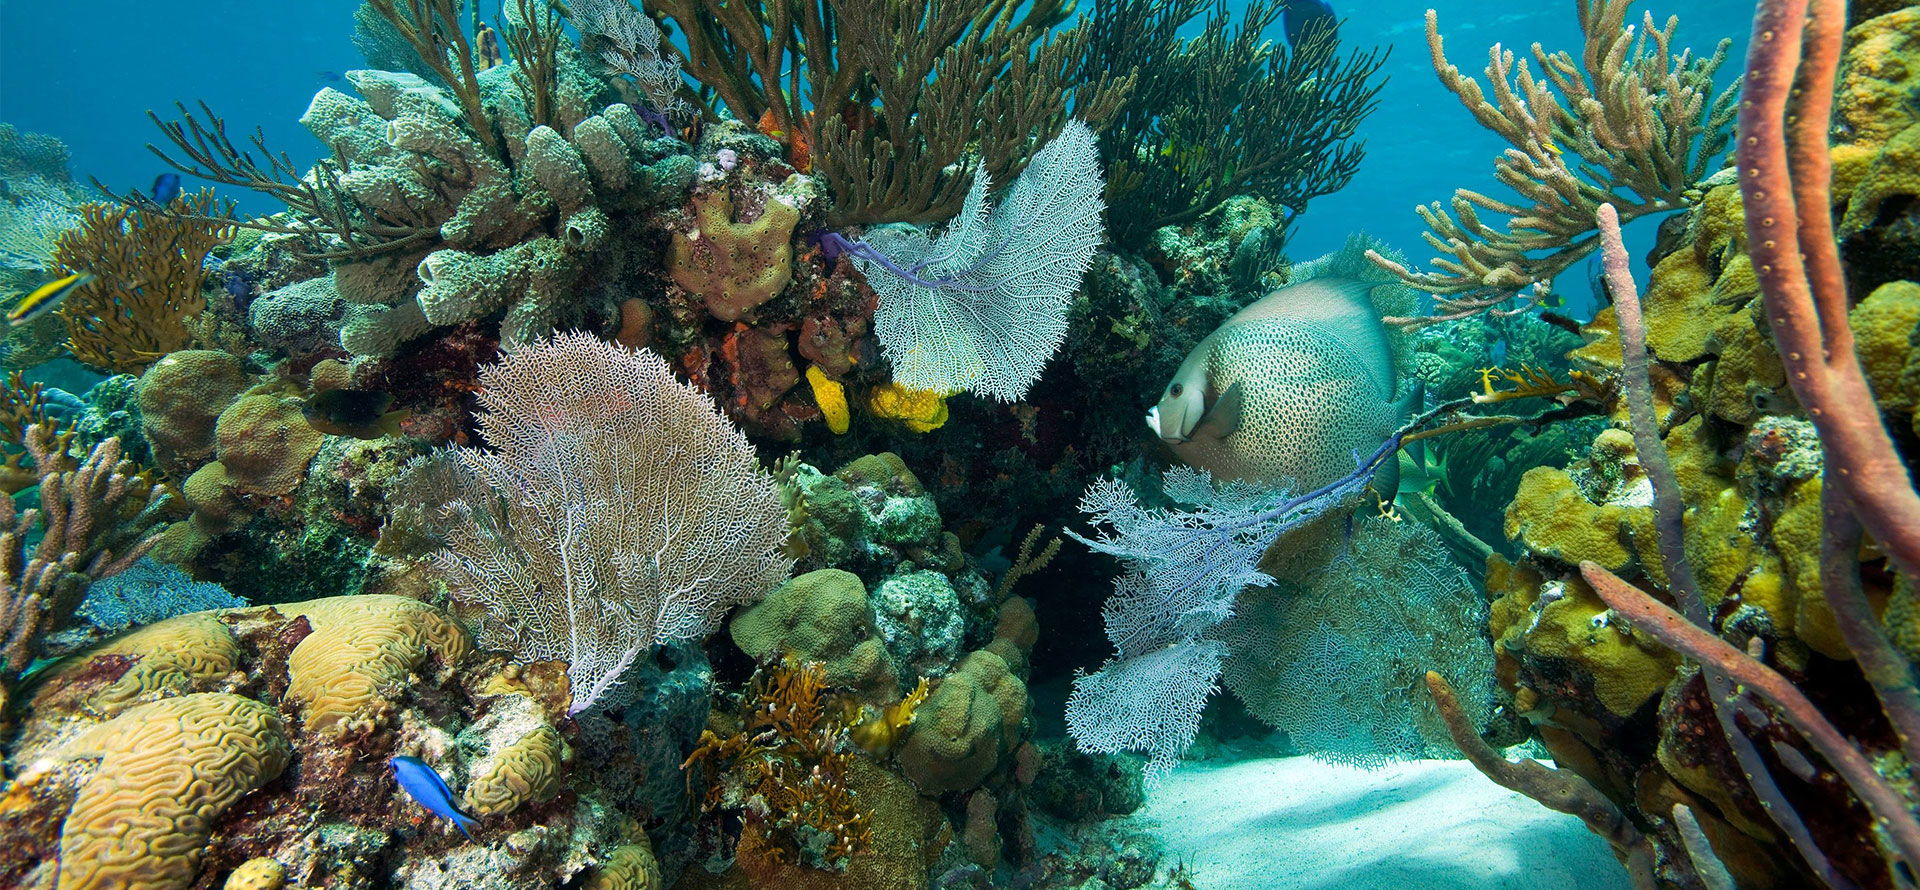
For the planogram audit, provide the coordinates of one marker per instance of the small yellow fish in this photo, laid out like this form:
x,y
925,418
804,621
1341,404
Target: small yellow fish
x,y
45,297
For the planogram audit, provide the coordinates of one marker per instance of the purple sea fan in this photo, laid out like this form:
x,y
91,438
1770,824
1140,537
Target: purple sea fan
x,y
616,508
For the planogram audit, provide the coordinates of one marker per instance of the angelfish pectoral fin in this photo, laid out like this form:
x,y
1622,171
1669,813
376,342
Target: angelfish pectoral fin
x,y
1223,417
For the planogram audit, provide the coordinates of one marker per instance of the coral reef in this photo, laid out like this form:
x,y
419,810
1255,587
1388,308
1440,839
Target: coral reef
x,y
184,713
1739,496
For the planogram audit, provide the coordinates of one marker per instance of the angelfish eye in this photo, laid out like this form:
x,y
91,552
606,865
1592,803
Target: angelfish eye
x,y
1175,390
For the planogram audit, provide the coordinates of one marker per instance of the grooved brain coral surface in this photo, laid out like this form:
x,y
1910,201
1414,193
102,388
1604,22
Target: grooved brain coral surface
x,y
1311,410
174,656
167,771
524,772
361,645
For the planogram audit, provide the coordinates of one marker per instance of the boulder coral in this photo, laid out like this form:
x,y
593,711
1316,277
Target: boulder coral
x,y
181,398
822,616
265,444
972,721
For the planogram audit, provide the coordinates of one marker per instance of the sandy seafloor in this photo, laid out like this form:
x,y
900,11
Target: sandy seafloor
x,y
1295,823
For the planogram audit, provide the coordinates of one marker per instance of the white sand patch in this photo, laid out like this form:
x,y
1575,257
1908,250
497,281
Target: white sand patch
x,y
1295,823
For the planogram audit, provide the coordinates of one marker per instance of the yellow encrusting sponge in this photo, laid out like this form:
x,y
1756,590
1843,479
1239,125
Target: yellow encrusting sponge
x,y
920,410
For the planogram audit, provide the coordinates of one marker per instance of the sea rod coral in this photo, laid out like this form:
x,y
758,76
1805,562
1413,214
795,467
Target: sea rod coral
x,y
1635,129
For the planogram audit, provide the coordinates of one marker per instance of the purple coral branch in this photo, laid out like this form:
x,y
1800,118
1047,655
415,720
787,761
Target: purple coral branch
x,y
1669,527
1647,614
1560,790
1785,174
835,245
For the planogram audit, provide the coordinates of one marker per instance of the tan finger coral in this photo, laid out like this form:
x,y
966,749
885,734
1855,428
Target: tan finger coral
x,y
167,771
527,771
362,646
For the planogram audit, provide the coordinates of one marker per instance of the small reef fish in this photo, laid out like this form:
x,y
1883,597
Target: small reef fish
x,y
424,785
1303,19
166,187
1289,390
357,413
486,46
47,296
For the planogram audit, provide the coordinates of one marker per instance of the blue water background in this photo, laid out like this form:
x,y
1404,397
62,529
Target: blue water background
x,y
88,71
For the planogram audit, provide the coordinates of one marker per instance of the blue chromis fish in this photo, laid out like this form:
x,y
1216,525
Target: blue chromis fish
x,y
47,296
166,187
427,789
1305,19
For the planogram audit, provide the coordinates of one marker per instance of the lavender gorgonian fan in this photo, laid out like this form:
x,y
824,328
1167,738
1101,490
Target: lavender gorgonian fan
x,y
1183,569
983,306
616,509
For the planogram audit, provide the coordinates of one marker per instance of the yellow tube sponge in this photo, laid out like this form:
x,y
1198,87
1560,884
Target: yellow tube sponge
x,y
526,771
919,410
832,399
361,645
167,771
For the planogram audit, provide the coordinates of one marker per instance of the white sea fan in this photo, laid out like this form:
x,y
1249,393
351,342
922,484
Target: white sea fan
x,y
983,306
615,509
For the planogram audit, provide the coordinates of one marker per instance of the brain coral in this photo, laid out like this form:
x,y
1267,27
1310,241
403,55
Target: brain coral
x,y
628,867
182,654
361,645
167,771
526,771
